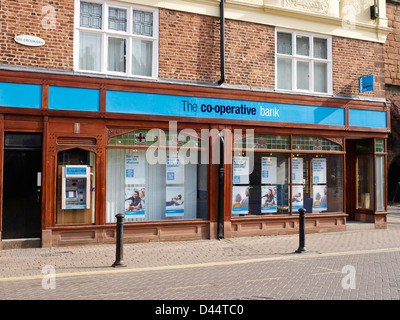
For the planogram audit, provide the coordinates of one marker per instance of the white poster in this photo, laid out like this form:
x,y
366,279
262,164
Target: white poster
x,y
135,168
297,170
175,170
269,201
174,205
297,198
241,170
319,170
268,170
135,202
240,200
320,198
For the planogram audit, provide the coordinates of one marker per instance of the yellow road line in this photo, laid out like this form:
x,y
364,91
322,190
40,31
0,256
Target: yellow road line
x,y
189,287
102,294
293,256
263,279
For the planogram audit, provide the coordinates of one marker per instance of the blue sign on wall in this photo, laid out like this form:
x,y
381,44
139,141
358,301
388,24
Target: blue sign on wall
x,y
366,83
185,106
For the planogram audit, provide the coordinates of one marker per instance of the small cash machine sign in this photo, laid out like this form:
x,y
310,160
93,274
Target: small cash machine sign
x,y
76,187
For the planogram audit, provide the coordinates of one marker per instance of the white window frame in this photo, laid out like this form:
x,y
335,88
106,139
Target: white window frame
x,y
294,58
106,33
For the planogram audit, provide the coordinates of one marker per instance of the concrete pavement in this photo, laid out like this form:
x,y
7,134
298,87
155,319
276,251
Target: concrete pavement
x,y
20,264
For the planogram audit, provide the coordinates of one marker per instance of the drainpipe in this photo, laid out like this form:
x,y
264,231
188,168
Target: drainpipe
x,y
221,197
222,36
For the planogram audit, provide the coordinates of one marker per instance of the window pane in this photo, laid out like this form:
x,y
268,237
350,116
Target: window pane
x,y
317,183
380,183
116,54
142,23
365,187
302,45
264,191
284,43
284,73
89,51
91,15
303,75
147,190
320,77
320,48
117,19
142,57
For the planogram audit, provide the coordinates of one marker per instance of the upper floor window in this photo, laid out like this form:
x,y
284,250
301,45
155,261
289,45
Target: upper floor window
x,y
116,38
303,62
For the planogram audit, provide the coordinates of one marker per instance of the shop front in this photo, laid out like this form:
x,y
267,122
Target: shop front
x,y
189,162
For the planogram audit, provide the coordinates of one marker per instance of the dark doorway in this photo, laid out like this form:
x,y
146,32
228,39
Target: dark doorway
x,y
21,218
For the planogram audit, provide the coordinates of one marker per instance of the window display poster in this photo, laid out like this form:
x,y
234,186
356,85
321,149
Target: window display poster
x,y
175,170
174,205
297,170
319,170
135,169
241,170
297,198
268,170
240,200
135,201
269,199
320,198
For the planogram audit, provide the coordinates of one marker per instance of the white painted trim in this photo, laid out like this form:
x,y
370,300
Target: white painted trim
x,y
294,58
106,33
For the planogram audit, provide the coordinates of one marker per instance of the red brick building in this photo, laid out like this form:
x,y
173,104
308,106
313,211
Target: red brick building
x,y
119,107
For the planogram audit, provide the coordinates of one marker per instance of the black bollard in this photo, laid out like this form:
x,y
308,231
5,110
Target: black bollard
x,y
302,231
119,260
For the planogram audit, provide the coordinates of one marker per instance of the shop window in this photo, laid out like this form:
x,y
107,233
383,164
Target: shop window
x,y
380,145
271,186
317,183
303,62
149,181
380,183
116,39
365,185
75,201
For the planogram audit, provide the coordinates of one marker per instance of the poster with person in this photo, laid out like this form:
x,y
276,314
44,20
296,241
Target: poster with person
x,y
269,199
297,198
320,198
175,202
240,200
135,201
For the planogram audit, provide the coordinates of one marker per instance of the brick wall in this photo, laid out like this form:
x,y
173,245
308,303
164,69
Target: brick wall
x,y
52,21
392,45
189,47
190,50
355,58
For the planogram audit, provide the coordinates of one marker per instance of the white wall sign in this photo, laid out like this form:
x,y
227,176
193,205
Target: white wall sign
x,y
30,41
319,170
135,169
268,170
297,170
241,170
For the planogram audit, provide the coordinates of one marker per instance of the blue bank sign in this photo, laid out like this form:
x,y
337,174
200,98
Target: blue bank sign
x,y
170,105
